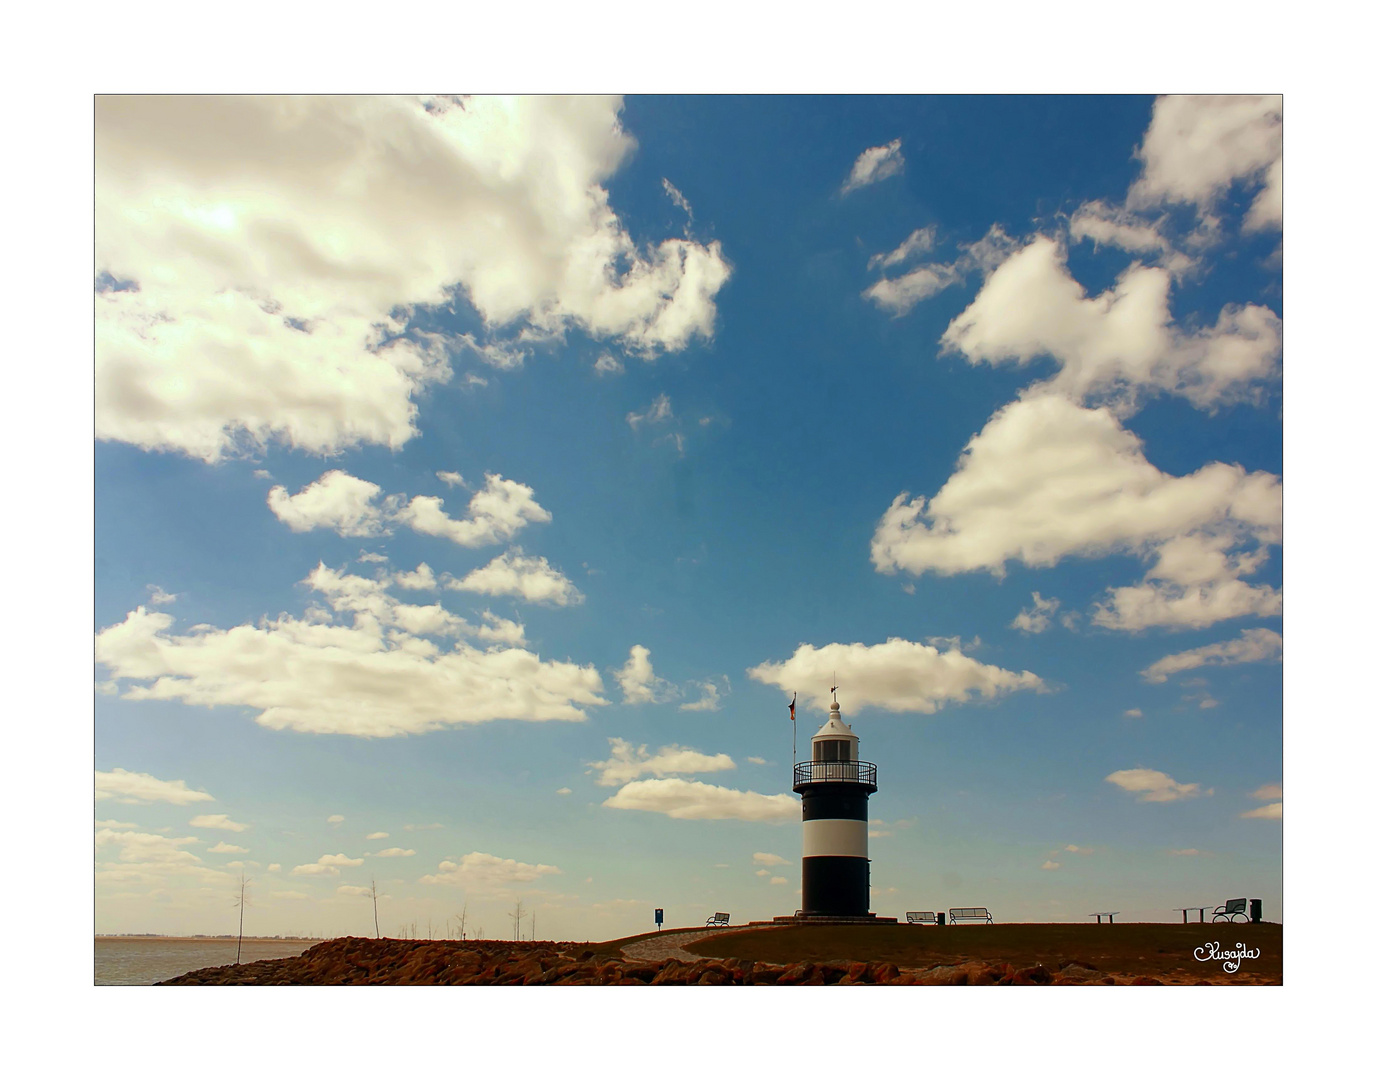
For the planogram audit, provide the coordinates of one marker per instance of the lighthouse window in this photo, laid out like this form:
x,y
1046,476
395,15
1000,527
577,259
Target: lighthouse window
x,y
831,750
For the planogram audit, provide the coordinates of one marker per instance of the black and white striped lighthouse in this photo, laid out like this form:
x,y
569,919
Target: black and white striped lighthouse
x,y
835,786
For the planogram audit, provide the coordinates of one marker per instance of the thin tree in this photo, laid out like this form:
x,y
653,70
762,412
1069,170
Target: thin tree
x,y
463,918
516,917
240,903
376,932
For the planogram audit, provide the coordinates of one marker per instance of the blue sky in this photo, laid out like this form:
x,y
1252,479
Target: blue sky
x,y
488,475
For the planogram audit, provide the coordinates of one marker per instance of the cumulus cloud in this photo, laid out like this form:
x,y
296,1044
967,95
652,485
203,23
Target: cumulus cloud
x,y
349,506
1267,791
326,866
265,279
374,678
482,874
223,848
217,821
1036,619
897,676
377,836
875,164
1153,786
1050,865
918,242
1119,343
130,787
640,685
1101,223
148,849
694,800
1047,478
451,479
336,501
1271,812
334,819
354,890
1252,646
764,858
709,702
607,364
1134,714
1198,147
160,597
504,631
627,762
898,295
419,580
516,574
393,853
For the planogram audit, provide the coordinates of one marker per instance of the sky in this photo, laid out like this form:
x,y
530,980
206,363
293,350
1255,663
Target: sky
x,y
476,480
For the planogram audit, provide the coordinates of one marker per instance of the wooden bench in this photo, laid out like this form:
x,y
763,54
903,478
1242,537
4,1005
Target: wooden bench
x,y
921,918
1226,911
970,914
720,919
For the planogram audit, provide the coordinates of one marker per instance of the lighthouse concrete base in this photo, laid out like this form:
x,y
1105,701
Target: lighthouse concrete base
x,y
826,920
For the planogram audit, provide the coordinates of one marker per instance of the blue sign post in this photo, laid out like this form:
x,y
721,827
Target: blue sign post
x,y
659,917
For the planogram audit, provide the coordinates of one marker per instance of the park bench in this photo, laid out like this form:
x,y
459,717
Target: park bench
x,y
1226,911
720,919
921,918
970,914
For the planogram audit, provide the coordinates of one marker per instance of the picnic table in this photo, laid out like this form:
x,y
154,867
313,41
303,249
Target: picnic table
x,y
1194,907
1110,914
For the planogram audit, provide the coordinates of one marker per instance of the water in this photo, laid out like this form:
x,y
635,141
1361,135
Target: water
x,y
141,961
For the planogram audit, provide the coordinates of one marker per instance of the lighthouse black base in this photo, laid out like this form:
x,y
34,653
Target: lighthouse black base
x,y
836,885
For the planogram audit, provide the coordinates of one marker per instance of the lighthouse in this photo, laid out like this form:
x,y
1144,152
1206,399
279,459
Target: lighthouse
x,y
836,785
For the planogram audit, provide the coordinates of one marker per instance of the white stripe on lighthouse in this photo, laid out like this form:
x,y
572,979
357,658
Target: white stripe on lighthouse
x,y
835,836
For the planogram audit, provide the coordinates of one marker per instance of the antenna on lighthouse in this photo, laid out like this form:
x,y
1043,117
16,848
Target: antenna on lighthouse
x,y
794,722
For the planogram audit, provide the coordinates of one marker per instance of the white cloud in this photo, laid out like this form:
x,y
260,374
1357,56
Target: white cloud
x,y
217,821
875,164
354,890
316,675
450,479
111,823
564,791
1153,786
377,836
899,295
1101,223
274,867
757,761
677,198
482,874
334,819
1047,478
897,676
267,275
607,364
1270,812
1117,343
336,501
497,513
1250,647
371,557
1267,791
148,849
131,787
657,412
498,629
1036,619
418,580
627,762
709,702
640,685
223,848
326,865
1197,147
779,881
764,858
1134,714
1078,850
393,853
1050,865
762,873
160,597
919,242
694,800
517,574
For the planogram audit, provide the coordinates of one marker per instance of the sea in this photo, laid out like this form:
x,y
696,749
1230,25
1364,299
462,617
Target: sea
x,y
143,961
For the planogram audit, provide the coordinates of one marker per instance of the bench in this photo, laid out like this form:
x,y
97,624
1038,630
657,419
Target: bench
x,y
1226,911
970,914
1098,916
921,918
720,919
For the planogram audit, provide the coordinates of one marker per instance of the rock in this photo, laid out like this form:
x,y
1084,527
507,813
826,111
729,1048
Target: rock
x,y
794,975
1145,980
884,972
1033,976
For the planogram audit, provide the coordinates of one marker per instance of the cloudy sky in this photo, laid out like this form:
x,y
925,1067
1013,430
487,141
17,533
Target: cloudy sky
x,y
477,479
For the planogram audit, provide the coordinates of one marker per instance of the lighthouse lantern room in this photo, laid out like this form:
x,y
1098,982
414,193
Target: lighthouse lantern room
x,y
835,785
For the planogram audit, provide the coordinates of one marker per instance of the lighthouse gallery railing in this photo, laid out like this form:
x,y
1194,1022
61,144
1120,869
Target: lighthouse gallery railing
x,y
850,772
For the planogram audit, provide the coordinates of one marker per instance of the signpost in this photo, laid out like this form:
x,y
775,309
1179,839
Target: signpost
x,y
659,917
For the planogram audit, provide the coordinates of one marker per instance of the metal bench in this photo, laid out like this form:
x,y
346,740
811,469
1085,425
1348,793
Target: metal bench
x,y
720,919
1110,914
1226,911
970,914
921,918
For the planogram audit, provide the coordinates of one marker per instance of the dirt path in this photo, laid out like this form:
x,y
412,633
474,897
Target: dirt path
x,y
663,948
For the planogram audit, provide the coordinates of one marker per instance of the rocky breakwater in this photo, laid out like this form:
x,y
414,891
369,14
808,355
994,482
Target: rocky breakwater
x,y
385,962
